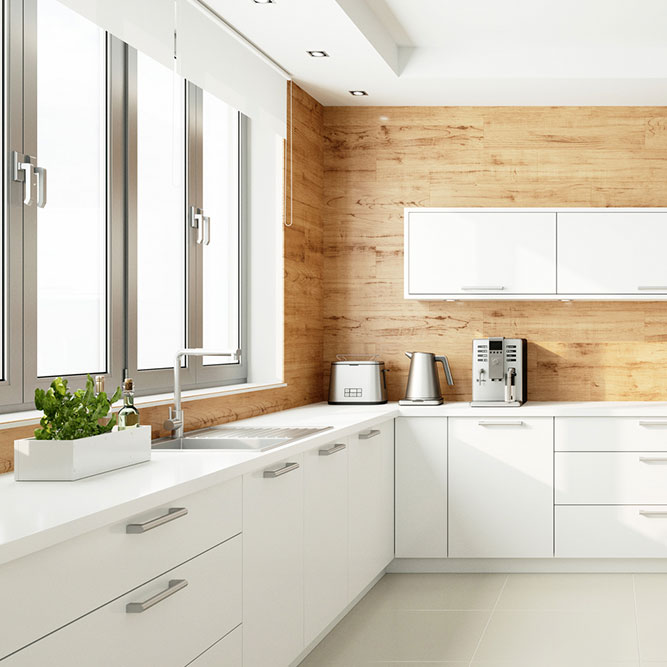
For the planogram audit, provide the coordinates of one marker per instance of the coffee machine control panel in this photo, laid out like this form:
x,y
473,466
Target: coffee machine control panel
x,y
499,371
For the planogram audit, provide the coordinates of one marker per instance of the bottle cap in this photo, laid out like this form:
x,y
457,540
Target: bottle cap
x,y
99,384
128,384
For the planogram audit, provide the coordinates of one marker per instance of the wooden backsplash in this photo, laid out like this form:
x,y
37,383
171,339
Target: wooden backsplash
x,y
303,301
378,160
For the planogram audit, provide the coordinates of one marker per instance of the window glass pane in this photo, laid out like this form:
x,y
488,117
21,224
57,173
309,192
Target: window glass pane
x,y
221,204
160,214
71,230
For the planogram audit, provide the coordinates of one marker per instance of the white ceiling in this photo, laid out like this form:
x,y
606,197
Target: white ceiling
x,y
470,52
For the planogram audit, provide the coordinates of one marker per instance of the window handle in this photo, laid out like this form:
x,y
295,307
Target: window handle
x,y
40,173
23,173
206,237
197,222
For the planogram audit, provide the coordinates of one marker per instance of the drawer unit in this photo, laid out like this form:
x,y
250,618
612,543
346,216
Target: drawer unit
x,y
611,434
611,478
47,589
611,531
187,608
500,487
228,652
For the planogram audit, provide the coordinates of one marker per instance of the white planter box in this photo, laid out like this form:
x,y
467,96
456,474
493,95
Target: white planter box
x,y
67,460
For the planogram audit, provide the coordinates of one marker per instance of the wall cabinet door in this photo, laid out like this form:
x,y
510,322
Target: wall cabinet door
x,y
613,253
421,487
371,505
325,536
273,564
480,253
500,487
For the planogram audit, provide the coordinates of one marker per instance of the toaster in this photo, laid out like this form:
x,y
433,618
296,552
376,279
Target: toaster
x,y
357,381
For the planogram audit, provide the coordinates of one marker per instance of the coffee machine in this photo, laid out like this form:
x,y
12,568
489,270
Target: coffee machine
x,y
499,372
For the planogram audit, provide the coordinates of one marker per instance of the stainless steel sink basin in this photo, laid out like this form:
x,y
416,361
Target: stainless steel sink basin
x,y
237,439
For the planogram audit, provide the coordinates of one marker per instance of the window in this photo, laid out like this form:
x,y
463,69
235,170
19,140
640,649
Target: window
x,y
136,247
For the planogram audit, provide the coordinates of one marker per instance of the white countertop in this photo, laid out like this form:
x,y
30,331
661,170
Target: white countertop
x,y
36,515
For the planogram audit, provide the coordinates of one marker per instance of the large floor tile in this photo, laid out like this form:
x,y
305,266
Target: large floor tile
x,y
435,591
400,635
568,592
651,596
548,637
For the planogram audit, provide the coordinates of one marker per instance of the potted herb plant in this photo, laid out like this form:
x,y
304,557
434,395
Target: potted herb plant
x,y
74,439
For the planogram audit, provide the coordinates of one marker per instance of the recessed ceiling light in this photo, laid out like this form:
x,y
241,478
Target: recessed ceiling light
x,y
358,93
318,54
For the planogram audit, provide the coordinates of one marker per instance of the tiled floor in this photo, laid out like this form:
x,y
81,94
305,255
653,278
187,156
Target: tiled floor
x,y
497,620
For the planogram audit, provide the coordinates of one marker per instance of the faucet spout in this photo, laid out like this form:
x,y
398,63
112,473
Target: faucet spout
x,y
175,421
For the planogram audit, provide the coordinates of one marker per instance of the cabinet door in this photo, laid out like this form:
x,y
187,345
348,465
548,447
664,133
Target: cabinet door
x,y
612,253
500,487
273,565
371,505
421,487
325,536
481,253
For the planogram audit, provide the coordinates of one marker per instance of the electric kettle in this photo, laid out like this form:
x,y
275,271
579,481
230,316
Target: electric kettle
x,y
423,383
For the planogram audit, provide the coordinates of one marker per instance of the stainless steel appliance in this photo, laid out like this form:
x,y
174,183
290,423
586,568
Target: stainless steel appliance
x,y
423,383
357,381
499,372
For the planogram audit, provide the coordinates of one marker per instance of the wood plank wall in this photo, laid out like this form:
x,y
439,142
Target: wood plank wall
x,y
379,160
303,300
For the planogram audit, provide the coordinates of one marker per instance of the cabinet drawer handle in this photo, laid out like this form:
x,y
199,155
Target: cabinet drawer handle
x,y
653,515
653,459
654,422
172,514
480,288
652,288
332,450
371,434
276,472
174,586
508,422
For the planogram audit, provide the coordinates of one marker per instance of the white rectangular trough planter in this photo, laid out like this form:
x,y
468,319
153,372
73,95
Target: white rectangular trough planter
x,y
67,460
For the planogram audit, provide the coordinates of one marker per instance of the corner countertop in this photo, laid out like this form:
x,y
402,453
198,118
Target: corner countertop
x,y
36,515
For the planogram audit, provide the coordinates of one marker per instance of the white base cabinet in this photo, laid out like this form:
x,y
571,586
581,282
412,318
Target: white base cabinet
x,y
273,564
371,505
501,487
228,652
325,558
421,487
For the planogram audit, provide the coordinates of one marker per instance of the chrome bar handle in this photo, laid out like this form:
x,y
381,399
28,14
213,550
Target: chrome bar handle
x,y
652,288
332,450
40,174
653,460
655,422
277,472
507,422
206,237
480,288
174,586
172,514
653,514
370,434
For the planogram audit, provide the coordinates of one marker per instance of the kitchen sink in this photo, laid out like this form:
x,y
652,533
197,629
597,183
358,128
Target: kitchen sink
x,y
238,439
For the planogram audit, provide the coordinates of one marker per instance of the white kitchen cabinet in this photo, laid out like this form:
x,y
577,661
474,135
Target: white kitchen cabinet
x,y
612,252
472,253
204,606
500,487
421,487
273,564
325,561
371,505
228,652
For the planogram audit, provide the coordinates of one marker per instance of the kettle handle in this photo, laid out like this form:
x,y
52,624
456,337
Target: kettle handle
x,y
408,355
445,365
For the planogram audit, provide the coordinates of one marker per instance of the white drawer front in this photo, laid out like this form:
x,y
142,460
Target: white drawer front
x,y
228,652
170,634
611,434
106,563
611,532
611,478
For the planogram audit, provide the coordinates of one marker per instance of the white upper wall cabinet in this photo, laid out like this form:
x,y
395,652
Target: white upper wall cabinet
x,y
473,252
535,253
612,253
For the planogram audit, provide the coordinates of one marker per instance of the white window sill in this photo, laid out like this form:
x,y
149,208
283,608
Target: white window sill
x,y
32,417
